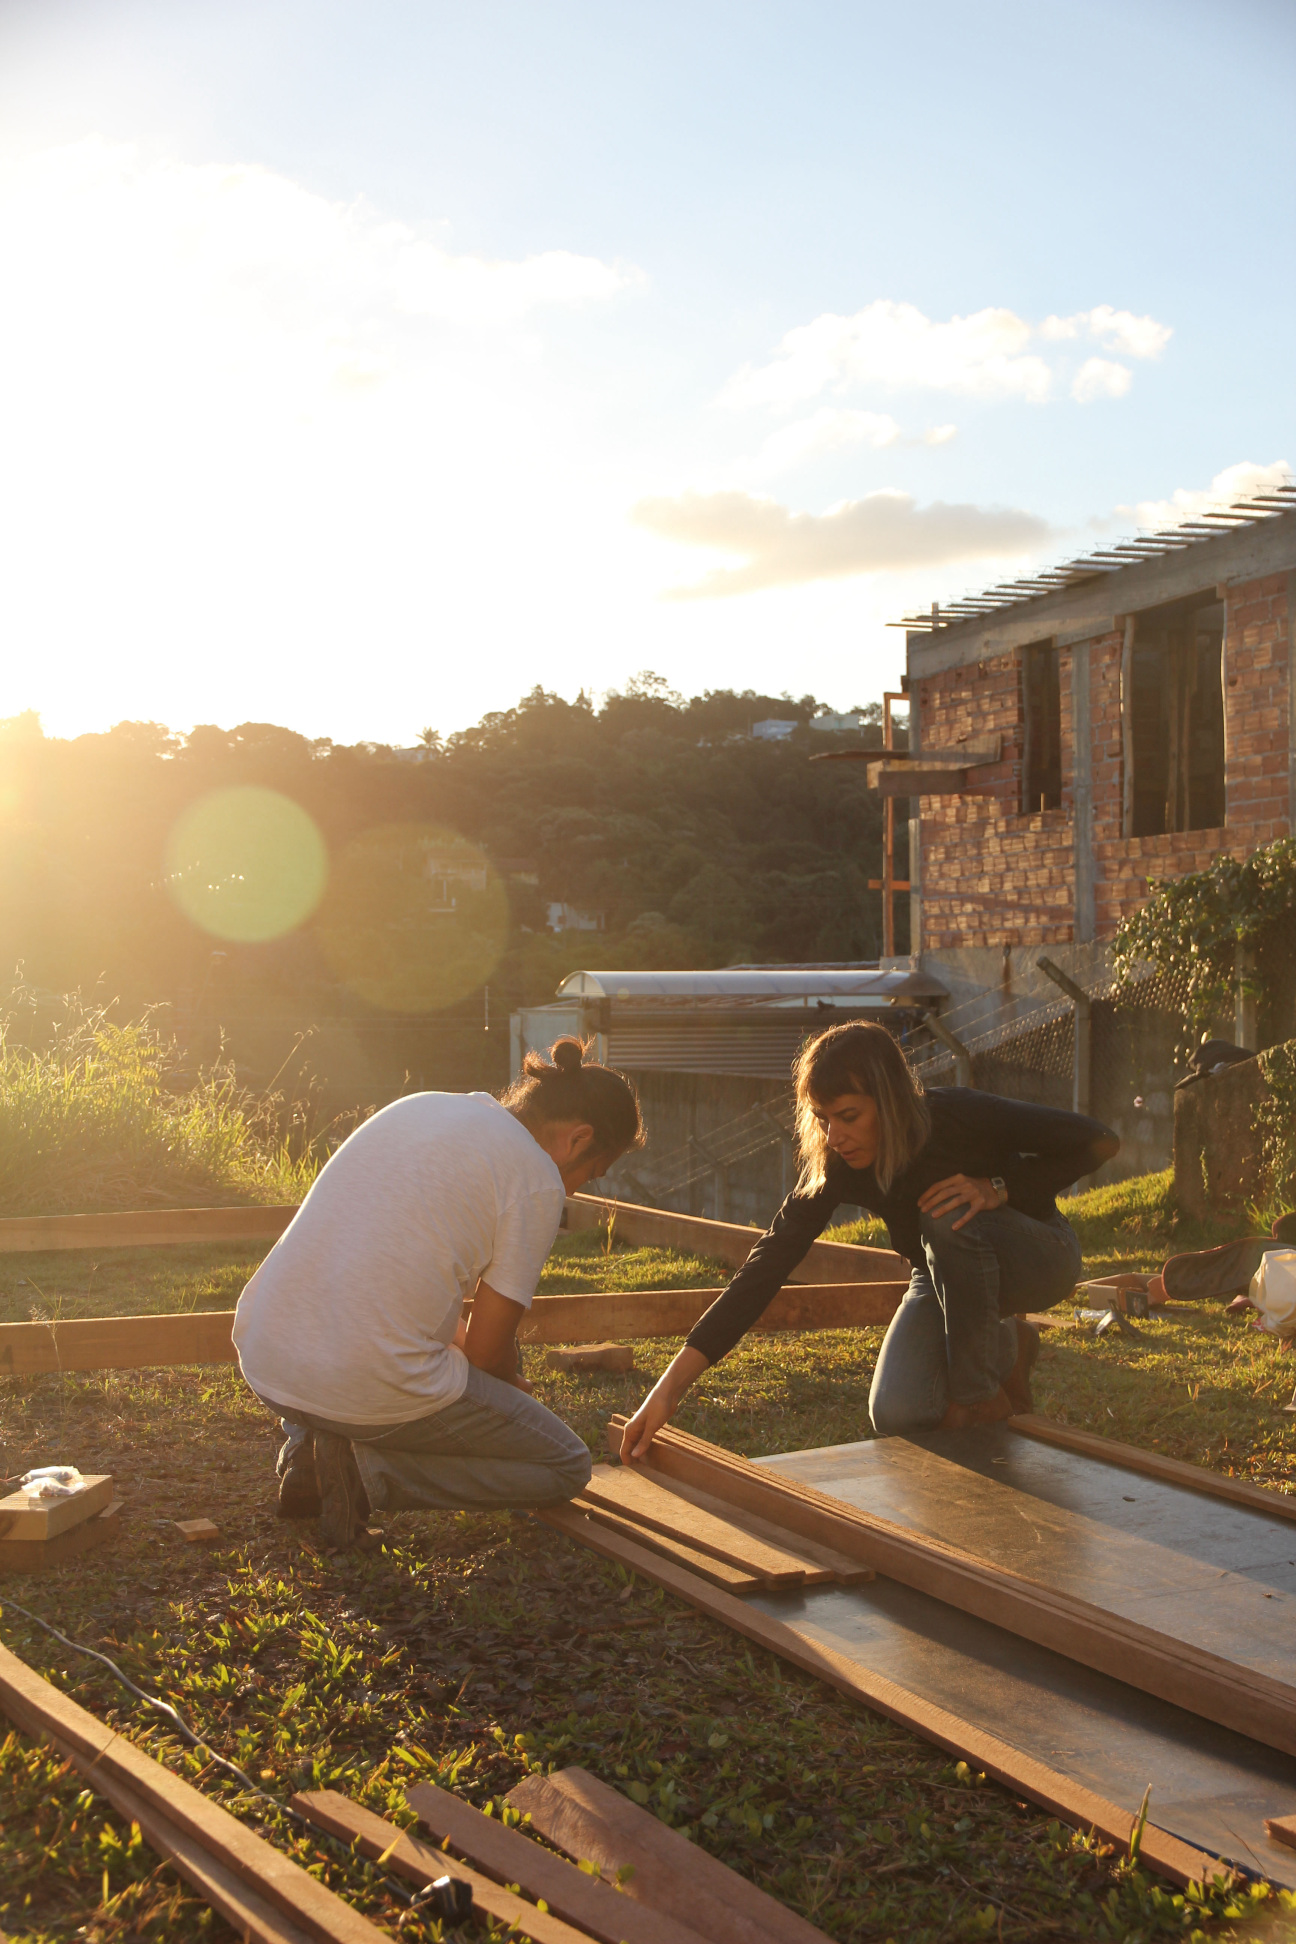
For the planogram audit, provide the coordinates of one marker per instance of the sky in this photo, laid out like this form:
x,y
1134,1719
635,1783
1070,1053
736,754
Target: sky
x,y
364,365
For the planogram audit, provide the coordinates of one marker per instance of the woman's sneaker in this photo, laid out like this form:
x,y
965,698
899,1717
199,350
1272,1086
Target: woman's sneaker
x,y
344,1504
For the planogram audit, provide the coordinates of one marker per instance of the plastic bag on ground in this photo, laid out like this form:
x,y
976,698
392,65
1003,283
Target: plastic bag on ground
x,y
1273,1292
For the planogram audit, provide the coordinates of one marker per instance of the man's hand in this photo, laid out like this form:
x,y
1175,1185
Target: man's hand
x,y
957,1191
491,1340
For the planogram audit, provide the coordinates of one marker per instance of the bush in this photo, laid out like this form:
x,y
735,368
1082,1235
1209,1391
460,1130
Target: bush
x,y
98,1117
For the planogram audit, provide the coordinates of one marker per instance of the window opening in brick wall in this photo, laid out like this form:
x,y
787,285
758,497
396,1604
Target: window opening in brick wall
x,y
1041,774
1177,719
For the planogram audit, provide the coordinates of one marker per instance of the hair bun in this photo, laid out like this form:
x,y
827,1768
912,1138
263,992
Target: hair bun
x,y
567,1054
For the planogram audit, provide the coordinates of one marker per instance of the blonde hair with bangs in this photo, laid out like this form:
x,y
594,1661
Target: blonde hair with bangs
x,y
859,1058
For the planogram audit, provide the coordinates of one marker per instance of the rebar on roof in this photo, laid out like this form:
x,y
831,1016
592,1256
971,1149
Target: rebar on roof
x,y
1257,507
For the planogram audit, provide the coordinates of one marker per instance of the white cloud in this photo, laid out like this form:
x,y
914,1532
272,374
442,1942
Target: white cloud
x,y
1234,483
883,533
938,435
1119,331
894,345
826,430
1100,378
986,355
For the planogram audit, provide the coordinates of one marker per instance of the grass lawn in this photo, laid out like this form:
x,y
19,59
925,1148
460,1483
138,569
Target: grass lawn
x,y
472,1649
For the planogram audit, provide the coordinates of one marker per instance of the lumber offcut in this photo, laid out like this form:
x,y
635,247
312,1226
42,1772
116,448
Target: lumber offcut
x,y
1153,1464
731,1241
585,1901
583,1816
417,1862
38,1555
24,1518
206,1843
1018,1772
1240,1698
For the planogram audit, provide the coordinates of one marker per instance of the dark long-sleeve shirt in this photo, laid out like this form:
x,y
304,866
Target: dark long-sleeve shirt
x,y
1038,1151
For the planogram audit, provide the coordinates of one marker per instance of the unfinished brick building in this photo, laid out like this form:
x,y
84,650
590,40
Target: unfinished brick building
x,y
1079,736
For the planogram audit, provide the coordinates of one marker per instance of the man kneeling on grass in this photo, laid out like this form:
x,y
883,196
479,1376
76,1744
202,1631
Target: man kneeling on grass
x,y
351,1329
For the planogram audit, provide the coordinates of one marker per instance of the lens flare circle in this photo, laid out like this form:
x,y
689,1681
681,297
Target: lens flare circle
x,y
246,864
415,917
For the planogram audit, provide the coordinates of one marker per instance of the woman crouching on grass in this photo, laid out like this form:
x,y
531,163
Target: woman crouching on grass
x,y
351,1328
965,1183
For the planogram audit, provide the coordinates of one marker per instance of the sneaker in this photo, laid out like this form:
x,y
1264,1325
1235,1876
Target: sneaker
x,y
344,1504
1017,1383
299,1496
1226,1271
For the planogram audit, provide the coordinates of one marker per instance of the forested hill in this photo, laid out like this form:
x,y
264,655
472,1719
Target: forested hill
x,y
697,843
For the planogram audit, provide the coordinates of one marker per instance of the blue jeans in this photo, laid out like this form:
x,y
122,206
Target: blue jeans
x,y
493,1447
953,1340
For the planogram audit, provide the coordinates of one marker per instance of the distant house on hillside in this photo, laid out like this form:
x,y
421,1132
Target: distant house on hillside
x,y
774,728
1080,735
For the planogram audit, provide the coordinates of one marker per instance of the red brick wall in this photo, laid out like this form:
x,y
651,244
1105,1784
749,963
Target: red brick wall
x,y
991,876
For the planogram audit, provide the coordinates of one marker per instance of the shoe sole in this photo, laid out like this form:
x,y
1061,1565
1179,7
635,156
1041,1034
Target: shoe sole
x,y
340,1517
1226,1271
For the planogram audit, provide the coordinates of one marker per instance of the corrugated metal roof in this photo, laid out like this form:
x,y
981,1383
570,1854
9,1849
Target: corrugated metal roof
x,y
1106,560
759,985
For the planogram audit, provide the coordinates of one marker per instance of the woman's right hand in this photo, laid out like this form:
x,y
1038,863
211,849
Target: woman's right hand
x,y
661,1403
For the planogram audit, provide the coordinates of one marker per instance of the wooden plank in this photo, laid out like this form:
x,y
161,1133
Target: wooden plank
x,y
252,1918
142,1228
24,1518
115,1342
638,1497
1018,1772
1152,1464
1240,1698
107,1759
506,1854
39,1555
731,1241
594,1823
405,1856
592,1356
203,1336
822,1563
717,1571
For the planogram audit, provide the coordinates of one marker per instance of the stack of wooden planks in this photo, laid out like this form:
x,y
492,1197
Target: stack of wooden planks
x,y
630,1880
723,1544
36,1536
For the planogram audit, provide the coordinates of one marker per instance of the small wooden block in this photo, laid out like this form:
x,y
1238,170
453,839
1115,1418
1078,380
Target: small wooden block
x,y
1281,1829
46,1518
592,1356
199,1532
36,1555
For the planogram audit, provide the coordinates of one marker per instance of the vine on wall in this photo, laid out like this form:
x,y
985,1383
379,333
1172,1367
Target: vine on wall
x,y
1195,925
1274,1120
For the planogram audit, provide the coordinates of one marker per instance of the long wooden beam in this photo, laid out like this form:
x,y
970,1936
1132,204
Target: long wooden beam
x,y
142,1228
1056,1793
730,1241
1154,1464
203,1336
1240,1698
235,1869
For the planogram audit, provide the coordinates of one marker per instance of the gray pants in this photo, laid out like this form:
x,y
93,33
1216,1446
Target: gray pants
x,y
952,1338
494,1446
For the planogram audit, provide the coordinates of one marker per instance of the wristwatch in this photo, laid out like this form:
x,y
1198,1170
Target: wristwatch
x,y
1000,1187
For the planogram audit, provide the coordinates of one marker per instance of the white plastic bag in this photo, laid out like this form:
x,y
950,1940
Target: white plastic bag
x,y
52,1482
1273,1292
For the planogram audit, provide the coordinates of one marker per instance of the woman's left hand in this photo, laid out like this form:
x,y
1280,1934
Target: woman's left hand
x,y
957,1191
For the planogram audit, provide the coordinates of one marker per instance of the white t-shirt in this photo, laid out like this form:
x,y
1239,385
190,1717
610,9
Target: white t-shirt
x,y
352,1314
